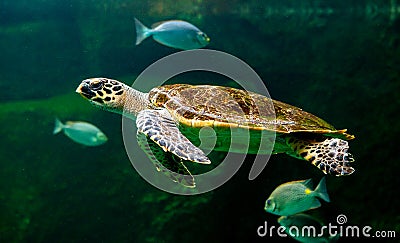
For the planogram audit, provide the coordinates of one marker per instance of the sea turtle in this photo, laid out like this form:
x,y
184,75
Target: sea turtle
x,y
169,118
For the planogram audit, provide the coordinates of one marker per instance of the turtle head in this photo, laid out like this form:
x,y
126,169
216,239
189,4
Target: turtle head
x,y
105,93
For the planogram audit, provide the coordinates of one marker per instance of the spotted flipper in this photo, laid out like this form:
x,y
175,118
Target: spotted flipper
x,y
159,126
329,155
166,162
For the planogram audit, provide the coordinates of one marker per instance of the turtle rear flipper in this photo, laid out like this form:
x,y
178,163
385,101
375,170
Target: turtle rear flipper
x,y
165,162
329,155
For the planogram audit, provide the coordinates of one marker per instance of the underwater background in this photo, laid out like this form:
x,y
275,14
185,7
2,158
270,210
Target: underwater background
x,y
337,59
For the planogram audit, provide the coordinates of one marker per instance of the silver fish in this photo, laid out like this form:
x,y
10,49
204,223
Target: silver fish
x,y
173,33
295,197
81,132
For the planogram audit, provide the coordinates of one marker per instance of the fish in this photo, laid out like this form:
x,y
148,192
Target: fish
x,y
296,197
305,228
177,34
81,132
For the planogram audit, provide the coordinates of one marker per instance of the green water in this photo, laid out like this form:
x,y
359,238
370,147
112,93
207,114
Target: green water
x,y
337,59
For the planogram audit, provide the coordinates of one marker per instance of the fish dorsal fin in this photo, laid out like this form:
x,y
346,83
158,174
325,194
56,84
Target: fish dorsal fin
x,y
156,24
308,183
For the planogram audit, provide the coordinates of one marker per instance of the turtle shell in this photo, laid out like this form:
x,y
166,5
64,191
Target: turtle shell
x,y
218,106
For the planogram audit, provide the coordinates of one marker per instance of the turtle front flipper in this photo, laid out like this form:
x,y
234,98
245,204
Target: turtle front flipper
x,y
166,162
329,155
159,126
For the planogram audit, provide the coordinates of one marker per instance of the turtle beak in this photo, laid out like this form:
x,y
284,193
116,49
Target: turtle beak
x,y
84,90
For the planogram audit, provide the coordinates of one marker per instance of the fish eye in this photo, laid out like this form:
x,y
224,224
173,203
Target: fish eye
x,y
203,35
101,135
96,85
271,205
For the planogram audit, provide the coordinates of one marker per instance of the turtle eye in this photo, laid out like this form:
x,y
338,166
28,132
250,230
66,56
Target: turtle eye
x,y
96,85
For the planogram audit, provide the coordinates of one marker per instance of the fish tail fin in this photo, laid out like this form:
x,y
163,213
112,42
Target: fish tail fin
x,y
142,32
58,127
321,191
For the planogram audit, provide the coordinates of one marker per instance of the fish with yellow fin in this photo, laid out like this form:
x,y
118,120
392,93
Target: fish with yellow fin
x,y
296,197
